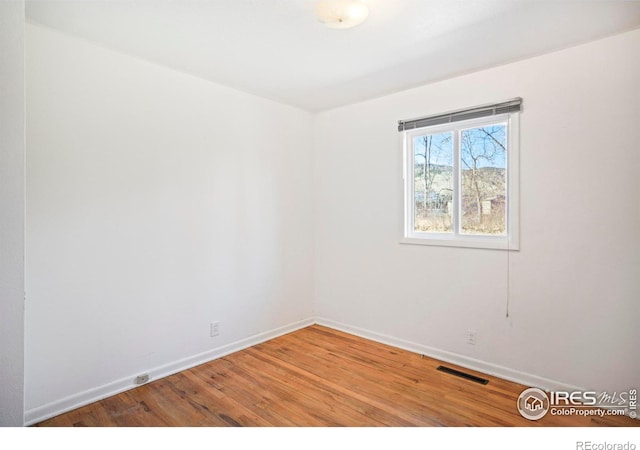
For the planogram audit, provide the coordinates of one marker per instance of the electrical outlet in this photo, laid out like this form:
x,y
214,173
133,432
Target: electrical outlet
x,y
142,379
471,337
215,329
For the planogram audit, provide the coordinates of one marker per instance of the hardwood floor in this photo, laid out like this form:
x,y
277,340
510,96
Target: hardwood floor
x,y
318,377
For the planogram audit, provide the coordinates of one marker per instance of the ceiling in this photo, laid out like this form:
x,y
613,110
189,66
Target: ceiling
x,y
277,49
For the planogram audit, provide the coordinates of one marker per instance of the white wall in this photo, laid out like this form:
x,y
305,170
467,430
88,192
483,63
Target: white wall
x,y
574,286
12,153
156,203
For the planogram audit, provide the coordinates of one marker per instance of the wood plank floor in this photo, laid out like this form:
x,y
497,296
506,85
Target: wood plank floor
x,y
318,377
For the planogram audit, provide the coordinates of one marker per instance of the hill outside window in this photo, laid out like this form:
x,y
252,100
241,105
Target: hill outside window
x,y
461,177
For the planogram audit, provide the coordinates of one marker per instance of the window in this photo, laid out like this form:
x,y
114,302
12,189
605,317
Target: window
x,y
461,178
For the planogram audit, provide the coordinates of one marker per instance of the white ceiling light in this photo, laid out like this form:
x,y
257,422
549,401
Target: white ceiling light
x,y
341,13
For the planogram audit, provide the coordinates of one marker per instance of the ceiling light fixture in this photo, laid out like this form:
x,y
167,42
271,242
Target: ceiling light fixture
x,y
341,13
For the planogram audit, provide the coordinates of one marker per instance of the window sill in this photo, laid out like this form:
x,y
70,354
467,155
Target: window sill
x,y
487,243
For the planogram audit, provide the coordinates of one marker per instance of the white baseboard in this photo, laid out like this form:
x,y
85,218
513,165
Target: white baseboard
x,y
74,401
495,370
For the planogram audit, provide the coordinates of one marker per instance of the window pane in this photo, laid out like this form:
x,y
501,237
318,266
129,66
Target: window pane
x,y
433,182
483,167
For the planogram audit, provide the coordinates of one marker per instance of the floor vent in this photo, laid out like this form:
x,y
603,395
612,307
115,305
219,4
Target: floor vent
x,y
466,376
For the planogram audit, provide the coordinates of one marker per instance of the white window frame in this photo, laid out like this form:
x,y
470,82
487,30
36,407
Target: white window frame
x,y
509,241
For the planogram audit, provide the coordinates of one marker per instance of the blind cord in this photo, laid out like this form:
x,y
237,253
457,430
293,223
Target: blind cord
x,y
508,278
